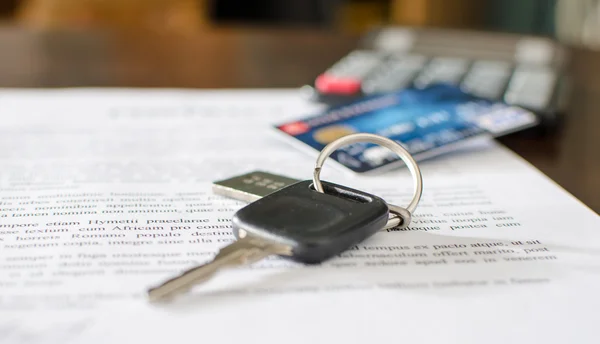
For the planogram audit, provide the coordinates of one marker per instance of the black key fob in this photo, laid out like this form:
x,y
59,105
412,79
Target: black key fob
x,y
317,226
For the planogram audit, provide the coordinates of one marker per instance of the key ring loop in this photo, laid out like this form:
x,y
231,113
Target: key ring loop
x,y
398,216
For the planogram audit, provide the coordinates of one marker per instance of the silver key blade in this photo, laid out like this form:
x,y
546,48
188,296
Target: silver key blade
x,y
247,250
252,186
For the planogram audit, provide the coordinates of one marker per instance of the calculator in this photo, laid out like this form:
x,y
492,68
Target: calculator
x,y
525,71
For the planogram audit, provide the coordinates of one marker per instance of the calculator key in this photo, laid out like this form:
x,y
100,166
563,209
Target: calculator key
x,y
487,79
345,77
357,64
531,87
448,70
326,83
395,73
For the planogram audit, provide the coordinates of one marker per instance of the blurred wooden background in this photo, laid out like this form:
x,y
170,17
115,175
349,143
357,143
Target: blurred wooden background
x,y
350,16
179,16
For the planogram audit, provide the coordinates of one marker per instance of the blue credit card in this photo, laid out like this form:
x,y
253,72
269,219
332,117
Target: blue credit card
x,y
425,121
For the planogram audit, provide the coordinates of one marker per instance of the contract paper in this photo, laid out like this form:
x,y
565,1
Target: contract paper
x,y
105,193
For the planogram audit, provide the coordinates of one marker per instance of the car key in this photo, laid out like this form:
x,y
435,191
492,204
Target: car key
x,y
308,222
297,222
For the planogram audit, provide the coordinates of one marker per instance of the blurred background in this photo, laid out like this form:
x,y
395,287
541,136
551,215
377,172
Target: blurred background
x,y
573,21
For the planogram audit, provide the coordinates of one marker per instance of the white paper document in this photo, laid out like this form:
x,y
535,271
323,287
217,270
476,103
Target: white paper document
x,y
105,193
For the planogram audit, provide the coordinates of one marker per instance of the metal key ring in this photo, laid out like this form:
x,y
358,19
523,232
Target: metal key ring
x,y
399,217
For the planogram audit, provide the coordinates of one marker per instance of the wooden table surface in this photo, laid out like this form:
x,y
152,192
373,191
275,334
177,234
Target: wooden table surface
x,y
236,58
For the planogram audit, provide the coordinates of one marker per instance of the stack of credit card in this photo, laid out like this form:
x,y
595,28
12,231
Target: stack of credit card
x,y
426,121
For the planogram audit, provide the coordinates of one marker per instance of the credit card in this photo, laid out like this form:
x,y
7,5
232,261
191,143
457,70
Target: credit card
x,y
427,122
